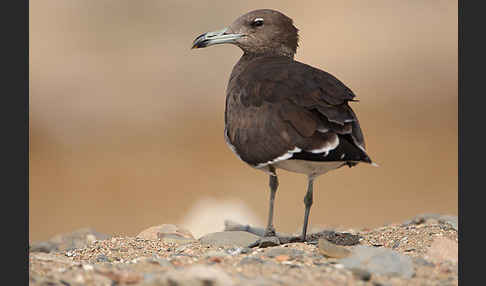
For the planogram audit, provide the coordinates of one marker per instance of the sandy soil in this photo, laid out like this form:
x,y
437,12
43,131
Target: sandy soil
x,y
430,243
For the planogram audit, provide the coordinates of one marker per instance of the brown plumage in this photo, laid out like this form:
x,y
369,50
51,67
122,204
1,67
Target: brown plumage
x,y
281,113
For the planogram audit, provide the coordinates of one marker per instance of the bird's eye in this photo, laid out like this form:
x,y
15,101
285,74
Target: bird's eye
x,y
257,22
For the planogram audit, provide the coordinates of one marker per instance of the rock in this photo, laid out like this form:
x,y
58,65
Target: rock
x,y
283,251
265,242
380,261
427,218
230,225
362,274
422,262
282,257
197,275
121,276
251,260
51,257
216,253
329,249
102,258
43,246
443,249
229,238
67,241
168,233
451,220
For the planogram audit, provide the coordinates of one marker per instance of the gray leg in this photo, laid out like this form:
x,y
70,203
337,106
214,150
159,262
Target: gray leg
x,y
308,203
273,182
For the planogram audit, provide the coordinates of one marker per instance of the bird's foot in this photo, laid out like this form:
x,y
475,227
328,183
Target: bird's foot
x,y
266,241
270,232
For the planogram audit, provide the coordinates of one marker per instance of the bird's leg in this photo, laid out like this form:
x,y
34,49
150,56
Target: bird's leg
x,y
273,182
269,237
308,203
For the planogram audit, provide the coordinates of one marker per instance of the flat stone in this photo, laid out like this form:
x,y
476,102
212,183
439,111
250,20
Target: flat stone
x,y
442,250
279,251
251,260
451,220
229,238
67,241
329,249
197,275
43,246
429,217
216,253
169,232
381,261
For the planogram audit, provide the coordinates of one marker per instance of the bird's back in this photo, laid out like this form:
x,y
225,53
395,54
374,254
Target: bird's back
x,y
281,109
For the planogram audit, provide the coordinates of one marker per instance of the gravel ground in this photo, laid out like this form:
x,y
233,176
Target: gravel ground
x,y
421,251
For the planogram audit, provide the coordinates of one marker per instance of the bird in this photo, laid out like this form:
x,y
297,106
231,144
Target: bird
x,y
281,113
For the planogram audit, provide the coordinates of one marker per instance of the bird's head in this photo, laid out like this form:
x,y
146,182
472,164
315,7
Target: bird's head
x,y
262,31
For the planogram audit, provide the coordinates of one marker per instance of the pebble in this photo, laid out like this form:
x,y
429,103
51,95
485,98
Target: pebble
x,y
283,251
379,261
216,253
422,262
423,218
122,277
451,220
443,249
251,260
197,275
229,238
43,246
102,258
168,232
329,249
68,241
362,274
282,257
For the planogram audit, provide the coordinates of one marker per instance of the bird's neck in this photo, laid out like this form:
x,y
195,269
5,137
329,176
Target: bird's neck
x,y
247,58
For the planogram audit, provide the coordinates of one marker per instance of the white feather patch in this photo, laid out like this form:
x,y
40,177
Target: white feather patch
x,y
328,146
285,156
322,129
226,139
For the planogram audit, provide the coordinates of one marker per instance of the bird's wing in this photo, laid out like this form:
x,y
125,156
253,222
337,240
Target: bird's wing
x,y
279,109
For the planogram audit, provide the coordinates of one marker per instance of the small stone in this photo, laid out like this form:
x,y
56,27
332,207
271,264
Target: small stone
x,y
216,253
122,277
68,241
282,257
168,231
266,242
102,258
177,240
90,238
197,275
229,238
251,260
379,261
280,251
422,262
245,250
164,262
44,246
329,249
451,220
362,274
215,259
443,249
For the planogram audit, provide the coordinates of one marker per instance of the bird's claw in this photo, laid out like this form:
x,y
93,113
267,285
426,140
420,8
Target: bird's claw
x,y
266,241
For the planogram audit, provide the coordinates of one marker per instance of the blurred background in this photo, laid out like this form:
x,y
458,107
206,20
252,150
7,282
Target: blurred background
x,y
126,122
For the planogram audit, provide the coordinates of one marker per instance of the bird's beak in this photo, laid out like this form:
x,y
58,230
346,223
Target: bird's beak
x,y
214,38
